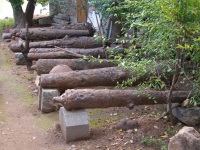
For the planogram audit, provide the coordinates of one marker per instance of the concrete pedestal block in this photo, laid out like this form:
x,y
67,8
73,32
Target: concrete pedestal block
x,y
39,97
45,99
74,124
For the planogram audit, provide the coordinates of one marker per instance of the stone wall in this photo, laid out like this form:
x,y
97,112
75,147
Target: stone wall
x,y
66,7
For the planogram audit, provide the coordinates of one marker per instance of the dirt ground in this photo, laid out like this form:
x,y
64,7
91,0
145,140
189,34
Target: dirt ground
x,y
23,127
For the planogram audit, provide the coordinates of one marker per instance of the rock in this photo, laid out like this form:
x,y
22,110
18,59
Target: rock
x,y
58,127
45,21
188,116
60,68
74,124
173,106
186,103
186,139
19,59
62,17
60,21
127,124
6,36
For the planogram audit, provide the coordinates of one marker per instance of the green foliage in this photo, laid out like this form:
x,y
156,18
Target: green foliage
x,y
101,6
195,99
153,142
163,28
155,36
16,2
43,2
6,23
161,22
154,83
139,69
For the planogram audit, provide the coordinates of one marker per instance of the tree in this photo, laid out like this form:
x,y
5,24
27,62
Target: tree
x,y
167,30
18,13
20,17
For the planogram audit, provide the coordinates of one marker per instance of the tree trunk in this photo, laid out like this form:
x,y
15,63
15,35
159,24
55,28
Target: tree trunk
x,y
90,98
67,54
16,46
18,14
30,8
86,78
6,36
80,42
75,50
44,66
99,77
38,34
77,26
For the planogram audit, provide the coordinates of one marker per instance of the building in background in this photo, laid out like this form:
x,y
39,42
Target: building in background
x,y
74,10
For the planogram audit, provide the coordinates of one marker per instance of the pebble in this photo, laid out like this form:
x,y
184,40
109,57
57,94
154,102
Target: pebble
x,y
155,127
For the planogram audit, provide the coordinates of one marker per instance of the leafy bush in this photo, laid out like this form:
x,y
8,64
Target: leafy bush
x,y
166,30
6,23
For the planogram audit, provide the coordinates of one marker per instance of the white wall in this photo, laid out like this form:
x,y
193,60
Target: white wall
x,y
93,17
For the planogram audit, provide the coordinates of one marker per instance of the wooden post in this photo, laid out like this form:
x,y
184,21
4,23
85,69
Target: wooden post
x,y
82,10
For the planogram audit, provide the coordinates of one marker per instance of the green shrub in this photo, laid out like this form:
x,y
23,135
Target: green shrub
x,y
153,142
166,30
6,23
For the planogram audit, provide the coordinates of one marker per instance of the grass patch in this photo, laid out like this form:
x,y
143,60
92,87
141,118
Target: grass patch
x,y
158,144
103,121
100,118
24,94
5,24
5,58
47,121
17,86
171,131
19,89
94,112
2,106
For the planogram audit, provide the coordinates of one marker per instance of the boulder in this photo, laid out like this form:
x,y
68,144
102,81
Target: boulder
x,y
127,124
186,139
188,116
6,36
20,59
60,68
45,21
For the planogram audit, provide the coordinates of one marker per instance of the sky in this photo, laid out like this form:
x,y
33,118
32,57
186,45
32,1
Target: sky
x,y
6,9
